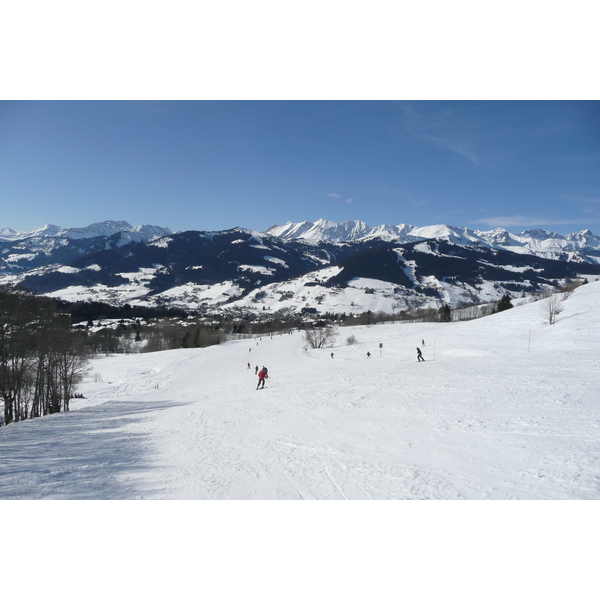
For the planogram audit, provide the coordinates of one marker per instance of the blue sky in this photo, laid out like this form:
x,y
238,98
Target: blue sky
x,y
212,165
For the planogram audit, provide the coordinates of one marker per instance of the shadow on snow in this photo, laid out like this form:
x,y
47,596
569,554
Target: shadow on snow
x,y
92,453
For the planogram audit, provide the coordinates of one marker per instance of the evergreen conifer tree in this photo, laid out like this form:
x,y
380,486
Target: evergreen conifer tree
x,y
445,314
504,303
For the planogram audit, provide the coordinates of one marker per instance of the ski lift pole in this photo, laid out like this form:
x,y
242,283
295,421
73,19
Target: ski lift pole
x,y
380,347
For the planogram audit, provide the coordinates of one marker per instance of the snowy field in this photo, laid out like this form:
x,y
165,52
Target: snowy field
x,y
505,407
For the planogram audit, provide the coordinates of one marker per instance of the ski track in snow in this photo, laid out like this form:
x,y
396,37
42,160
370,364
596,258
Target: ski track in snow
x,y
482,419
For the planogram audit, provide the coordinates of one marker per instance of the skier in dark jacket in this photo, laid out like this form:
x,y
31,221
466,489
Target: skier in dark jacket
x,y
419,355
262,375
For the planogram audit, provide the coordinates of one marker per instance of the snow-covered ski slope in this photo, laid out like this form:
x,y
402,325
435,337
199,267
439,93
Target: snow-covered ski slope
x,y
505,407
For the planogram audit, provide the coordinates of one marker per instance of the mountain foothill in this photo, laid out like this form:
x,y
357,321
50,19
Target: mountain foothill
x,y
321,266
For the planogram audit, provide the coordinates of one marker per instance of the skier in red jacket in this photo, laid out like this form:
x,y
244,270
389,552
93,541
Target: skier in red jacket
x,y
262,375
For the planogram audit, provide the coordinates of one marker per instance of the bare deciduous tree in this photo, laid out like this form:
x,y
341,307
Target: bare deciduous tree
x,y
320,337
41,358
551,307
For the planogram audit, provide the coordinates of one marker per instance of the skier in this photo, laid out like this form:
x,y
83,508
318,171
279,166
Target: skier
x,y
368,355
332,355
423,343
419,355
256,370
262,375
248,365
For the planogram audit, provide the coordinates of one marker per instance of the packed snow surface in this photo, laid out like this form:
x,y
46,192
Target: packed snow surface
x,y
504,407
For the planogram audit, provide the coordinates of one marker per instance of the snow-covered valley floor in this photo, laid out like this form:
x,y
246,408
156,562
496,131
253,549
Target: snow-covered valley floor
x,y
504,407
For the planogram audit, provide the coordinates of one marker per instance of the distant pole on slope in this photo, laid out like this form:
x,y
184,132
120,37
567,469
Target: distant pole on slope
x,y
380,347
529,342
434,343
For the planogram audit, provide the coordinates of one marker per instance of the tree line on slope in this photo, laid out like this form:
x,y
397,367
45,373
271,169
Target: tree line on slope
x,y
137,335
152,335
41,357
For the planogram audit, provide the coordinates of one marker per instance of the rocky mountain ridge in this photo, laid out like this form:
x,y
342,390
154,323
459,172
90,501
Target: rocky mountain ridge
x,y
102,229
583,246
240,271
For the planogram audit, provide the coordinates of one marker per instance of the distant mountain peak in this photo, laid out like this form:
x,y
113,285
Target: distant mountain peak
x,y
289,230
533,241
540,234
325,267
100,229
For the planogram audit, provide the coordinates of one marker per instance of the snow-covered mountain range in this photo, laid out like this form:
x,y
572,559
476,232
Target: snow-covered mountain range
x,y
103,229
321,267
583,246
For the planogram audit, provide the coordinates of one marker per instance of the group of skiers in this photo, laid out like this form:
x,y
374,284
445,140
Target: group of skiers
x,y
263,374
419,353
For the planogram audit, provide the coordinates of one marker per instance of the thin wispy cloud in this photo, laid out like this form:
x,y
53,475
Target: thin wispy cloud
x,y
458,146
334,195
393,192
447,128
584,158
581,199
523,221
